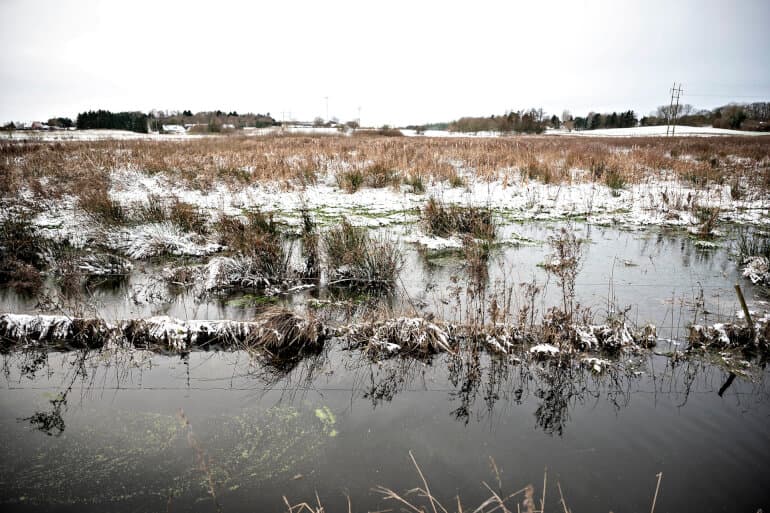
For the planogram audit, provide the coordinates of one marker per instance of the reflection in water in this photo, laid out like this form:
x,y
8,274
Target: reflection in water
x,y
475,381
214,458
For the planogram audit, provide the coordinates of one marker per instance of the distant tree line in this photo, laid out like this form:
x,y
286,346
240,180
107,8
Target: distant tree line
x,y
212,121
594,120
133,121
752,116
428,126
532,121
60,123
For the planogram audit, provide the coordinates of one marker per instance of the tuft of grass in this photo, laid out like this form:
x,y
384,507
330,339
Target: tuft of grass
x,y
283,333
707,217
379,175
417,182
614,180
310,243
351,181
20,253
154,211
455,180
443,221
536,170
259,242
187,217
97,203
354,258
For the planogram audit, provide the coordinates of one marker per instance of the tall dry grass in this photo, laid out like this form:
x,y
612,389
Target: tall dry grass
x,y
296,161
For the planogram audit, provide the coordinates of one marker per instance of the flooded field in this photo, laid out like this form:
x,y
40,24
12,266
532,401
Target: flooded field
x,y
181,330
666,276
226,430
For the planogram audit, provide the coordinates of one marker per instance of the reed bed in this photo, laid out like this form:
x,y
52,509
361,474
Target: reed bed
x,y
299,160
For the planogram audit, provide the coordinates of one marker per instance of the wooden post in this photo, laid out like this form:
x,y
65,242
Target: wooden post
x,y
745,310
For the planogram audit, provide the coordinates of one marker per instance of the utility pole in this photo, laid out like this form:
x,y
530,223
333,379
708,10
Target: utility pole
x,y
673,109
327,108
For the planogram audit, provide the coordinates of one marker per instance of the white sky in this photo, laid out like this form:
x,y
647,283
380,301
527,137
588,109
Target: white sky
x,y
402,62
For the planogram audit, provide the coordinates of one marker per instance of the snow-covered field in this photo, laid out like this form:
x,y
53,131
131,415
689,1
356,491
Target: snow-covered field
x,y
100,135
655,131
655,202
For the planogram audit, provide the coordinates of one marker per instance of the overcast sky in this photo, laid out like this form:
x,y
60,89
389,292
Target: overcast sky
x,y
401,62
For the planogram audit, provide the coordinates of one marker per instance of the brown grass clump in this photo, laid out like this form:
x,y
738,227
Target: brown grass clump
x,y
380,175
97,202
263,257
414,336
353,258
20,253
282,333
443,221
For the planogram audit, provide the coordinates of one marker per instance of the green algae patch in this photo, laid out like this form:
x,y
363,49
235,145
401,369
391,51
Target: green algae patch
x,y
143,459
328,420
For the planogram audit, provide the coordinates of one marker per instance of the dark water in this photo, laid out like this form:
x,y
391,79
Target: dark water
x,y
338,424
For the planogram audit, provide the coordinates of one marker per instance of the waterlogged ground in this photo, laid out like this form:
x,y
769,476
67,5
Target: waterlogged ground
x,y
666,276
222,431
122,429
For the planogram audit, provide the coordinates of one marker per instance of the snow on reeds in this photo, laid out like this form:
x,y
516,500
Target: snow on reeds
x,y
155,239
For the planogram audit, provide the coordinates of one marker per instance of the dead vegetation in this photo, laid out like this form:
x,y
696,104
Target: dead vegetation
x,y
278,332
420,499
83,168
21,253
283,333
446,220
354,258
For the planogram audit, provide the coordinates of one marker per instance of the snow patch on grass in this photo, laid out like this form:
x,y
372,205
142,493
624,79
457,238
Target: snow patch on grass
x,y
156,239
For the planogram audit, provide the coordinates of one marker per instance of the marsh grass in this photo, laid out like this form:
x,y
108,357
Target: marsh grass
x,y
444,221
351,180
310,246
76,167
707,217
283,333
97,203
565,261
416,182
379,175
21,253
753,243
421,499
354,258
262,256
